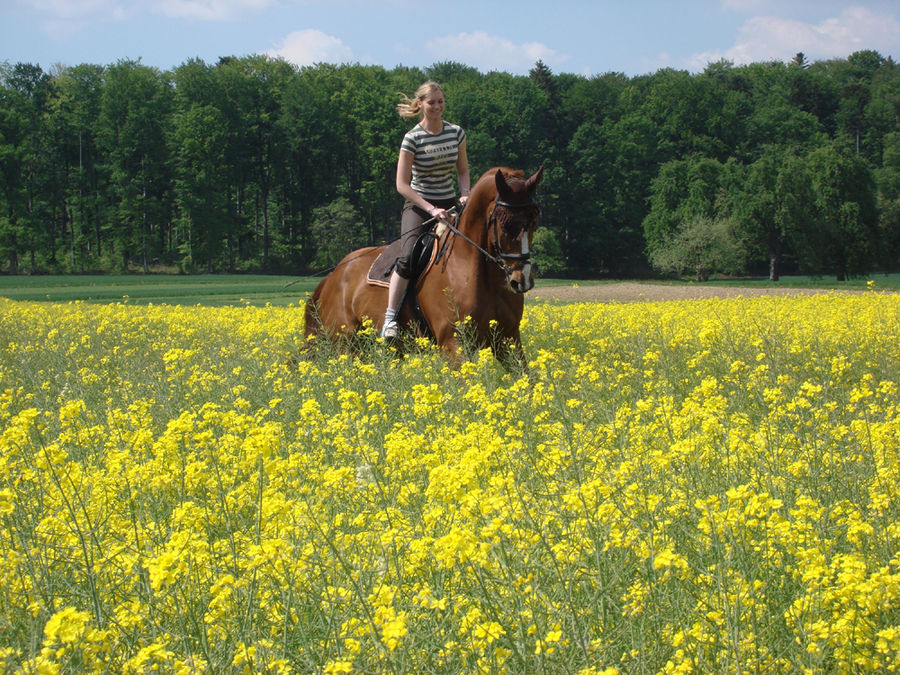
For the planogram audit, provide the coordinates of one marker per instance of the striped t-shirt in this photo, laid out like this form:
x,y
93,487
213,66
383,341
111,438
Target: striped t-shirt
x,y
434,159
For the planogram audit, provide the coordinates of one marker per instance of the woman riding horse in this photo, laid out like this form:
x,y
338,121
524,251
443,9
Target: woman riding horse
x,y
483,272
429,153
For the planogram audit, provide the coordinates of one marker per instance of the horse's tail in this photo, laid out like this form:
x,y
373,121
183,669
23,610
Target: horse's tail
x,y
311,315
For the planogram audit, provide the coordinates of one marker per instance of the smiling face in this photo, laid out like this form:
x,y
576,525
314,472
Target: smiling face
x,y
432,105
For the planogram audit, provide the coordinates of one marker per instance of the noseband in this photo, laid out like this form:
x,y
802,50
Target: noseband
x,y
519,260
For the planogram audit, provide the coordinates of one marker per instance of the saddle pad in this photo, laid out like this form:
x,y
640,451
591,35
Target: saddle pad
x,y
380,272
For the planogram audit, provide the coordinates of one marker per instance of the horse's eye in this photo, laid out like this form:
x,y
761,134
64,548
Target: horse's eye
x,y
514,230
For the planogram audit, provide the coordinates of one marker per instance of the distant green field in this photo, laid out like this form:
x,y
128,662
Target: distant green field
x,y
881,280
203,289
259,290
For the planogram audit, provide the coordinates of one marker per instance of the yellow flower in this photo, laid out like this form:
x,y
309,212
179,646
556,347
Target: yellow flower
x,y
7,503
338,667
65,627
724,472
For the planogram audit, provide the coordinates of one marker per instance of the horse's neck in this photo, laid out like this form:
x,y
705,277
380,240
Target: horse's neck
x,y
476,230
474,261
477,234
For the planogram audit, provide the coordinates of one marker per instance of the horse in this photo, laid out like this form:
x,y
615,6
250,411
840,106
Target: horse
x,y
481,277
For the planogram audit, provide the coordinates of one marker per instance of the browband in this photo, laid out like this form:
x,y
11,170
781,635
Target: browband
x,y
498,202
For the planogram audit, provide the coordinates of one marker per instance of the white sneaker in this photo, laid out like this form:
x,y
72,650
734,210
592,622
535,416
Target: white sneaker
x,y
390,330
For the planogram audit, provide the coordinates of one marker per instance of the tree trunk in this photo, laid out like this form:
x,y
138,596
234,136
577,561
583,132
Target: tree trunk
x,y
13,253
774,265
144,225
72,258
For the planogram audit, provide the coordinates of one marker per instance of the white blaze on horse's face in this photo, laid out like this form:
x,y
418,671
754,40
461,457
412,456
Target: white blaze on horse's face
x,y
521,279
527,276
517,197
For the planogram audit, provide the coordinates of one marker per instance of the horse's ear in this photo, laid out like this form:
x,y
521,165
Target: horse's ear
x,y
532,182
502,185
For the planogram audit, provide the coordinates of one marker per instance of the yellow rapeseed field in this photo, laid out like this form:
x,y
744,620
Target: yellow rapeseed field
x,y
699,486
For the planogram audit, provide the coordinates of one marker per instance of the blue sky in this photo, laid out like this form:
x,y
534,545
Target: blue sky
x,y
583,37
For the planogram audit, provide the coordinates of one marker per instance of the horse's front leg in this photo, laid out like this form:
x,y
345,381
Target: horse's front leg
x,y
509,352
448,341
453,352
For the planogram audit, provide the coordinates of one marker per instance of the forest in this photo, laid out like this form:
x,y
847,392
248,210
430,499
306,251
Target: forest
x,y
252,164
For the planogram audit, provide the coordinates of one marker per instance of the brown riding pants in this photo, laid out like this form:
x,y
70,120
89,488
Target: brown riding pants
x,y
411,228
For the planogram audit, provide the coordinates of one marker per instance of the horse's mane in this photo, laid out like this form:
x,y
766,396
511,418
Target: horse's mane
x,y
486,183
485,188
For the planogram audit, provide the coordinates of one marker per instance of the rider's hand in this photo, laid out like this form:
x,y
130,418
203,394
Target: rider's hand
x,y
439,214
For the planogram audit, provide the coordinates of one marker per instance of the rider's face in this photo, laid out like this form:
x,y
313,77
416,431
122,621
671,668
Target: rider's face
x,y
433,104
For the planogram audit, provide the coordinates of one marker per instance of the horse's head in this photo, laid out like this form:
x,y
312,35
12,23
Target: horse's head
x,y
512,222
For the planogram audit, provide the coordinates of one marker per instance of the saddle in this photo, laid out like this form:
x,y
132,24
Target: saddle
x,y
426,253
423,258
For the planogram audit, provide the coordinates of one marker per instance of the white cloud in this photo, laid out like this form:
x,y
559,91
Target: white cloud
x,y
208,10
487,52
72,9
61,19
768,38
307,47
83,11
55,11
757,7
746,6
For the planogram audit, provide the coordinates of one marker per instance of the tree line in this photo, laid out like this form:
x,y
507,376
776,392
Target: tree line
x,y
252,164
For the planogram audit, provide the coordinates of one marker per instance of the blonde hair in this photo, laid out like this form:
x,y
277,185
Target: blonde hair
x,y
412,106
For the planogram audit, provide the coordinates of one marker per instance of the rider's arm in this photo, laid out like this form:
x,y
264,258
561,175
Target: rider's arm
x,y
462,173
404,178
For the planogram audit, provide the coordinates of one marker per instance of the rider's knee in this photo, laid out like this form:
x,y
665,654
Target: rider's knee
x,y
404,267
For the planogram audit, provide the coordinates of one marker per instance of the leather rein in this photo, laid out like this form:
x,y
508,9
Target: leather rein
x,y
520,259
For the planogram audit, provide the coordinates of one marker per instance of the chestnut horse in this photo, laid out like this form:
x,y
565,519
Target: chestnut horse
x,y
483,273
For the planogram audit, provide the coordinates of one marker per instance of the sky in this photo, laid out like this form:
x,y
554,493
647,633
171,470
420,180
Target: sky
x,y
584,37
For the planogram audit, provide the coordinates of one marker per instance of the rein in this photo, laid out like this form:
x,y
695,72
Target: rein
x,y
500,258
486,254
328,270
523,258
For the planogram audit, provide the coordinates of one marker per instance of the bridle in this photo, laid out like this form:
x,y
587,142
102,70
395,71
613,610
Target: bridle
x,y
520,260
498,256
